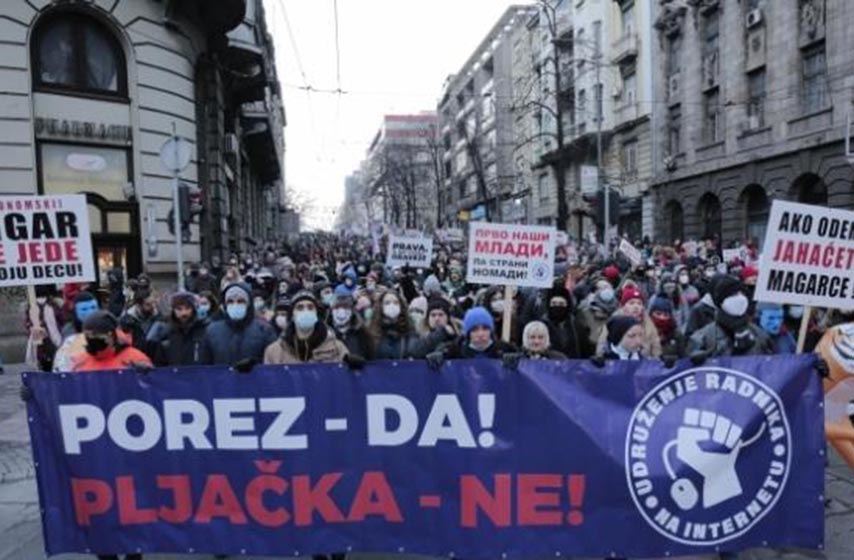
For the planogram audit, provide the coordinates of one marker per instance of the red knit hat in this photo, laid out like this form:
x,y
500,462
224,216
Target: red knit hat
x,y
630,293
611,272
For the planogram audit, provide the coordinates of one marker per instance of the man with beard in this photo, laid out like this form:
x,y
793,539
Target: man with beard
x,y
180,341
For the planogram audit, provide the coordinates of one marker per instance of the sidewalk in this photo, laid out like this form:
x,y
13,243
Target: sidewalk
x,y
20,527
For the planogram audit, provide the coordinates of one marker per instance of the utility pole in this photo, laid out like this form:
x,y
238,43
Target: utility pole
x,y
599,113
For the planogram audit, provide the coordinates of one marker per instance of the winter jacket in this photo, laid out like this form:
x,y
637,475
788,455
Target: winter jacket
x,y
713,340
227,342
460,350
567,337
547,355
321,346
111,359
702,314
593,314
394,346
181,345
356,338
651,339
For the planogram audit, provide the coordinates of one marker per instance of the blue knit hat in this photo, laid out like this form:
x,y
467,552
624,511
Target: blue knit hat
x,y
477,317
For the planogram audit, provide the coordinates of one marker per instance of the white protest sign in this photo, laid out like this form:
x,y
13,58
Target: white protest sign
x,y
511,255
631,253
415,251
561,238
450,235
45,240
808,257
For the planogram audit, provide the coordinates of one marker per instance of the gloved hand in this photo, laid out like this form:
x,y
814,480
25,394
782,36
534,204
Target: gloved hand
x,y
598,361
511,361
141,367
668,361
821,367
244,366
355,362
435,360
25,393
698,358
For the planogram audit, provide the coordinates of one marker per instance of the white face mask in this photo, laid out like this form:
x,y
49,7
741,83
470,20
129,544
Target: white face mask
x,y
684,279
281,322
416,316
497,306
341,316
796,311
735,305
607,295
41,300
391,311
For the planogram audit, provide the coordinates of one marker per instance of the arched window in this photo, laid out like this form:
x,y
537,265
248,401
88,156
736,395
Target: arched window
x,y
74,53
757,207
710,216
676,221
810,189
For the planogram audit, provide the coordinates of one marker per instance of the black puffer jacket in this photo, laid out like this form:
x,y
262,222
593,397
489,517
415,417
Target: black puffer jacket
x,y
181,345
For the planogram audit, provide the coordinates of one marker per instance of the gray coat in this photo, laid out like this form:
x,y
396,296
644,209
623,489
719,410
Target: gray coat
x,y
714,341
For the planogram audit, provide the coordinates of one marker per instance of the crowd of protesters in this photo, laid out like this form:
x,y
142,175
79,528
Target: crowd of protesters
x,y
329,298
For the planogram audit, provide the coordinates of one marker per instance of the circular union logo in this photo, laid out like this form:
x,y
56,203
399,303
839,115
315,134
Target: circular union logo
x,y
707,455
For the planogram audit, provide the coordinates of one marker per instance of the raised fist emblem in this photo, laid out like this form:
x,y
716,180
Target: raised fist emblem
x,y
708,443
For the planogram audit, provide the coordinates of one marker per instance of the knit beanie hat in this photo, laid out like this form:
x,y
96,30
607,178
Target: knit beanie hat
x,y
343,300
237,291
724,286
477,317
432,286
612,273
661,304
101,322
419,303
438,302
618,326
630,293
303,295
187,299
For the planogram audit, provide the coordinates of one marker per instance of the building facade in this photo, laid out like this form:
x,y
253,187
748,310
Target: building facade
x,y
757,94
477,136
92,90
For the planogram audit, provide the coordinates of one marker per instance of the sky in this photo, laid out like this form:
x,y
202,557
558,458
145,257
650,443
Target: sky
x,y
394,58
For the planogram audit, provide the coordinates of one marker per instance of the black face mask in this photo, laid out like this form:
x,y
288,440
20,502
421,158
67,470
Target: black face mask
x,y
558,313
96,345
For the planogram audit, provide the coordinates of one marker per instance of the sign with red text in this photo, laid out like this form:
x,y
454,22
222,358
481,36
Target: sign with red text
x,y
808,257
45,240
511,255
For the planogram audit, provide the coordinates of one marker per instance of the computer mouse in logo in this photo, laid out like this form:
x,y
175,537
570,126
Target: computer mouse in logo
x,y
684,494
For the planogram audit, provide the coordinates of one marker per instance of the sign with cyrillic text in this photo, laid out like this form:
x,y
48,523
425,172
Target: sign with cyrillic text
x,y
808,257
474,461
631,252
511,255
409,250
45,240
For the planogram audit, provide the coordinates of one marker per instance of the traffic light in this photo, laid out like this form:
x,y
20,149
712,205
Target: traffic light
x,y
613,210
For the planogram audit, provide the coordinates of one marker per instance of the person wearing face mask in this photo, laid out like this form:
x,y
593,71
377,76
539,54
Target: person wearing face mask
x,y
536,343
672,341
140,318
208,307
349,327
239,339
565,334
625,338
669,289
394,336
74,342
690,294
259,304
439,316
348,282
180,343
479,339
281,316
493,300
205,281
43,329
703,312
750,276
770,319
417,312
306,339
632,305
731,333
594,313
104,349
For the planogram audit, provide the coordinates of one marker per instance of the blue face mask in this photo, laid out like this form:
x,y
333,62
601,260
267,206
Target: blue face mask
x,y
305,320
203,311
85,308
771,321
236,311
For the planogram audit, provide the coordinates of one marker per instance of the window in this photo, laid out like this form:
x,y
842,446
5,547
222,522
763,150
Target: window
x,y
630,87
674,130
461,161
490,141
543,187
756,99
599,101
814,79
490,175
582,104
73,169
446,141
630,159
461,188
674,51
75,53
711,58
757,213
677,222
448,168
712,117
710,216
597,37
628,19
488,107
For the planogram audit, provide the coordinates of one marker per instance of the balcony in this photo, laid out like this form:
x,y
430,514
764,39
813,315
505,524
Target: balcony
x,y
625,49
567,77
248,54
263,137
626,113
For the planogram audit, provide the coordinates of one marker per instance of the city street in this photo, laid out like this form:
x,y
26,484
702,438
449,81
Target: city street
x,y
19,510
